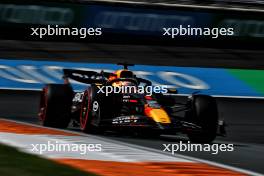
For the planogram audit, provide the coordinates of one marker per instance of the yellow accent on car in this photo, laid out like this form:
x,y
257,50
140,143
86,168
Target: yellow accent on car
x,y
118,73
159,115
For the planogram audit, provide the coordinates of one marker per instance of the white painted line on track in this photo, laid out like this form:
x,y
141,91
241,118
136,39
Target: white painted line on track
x,y
110,151
146,149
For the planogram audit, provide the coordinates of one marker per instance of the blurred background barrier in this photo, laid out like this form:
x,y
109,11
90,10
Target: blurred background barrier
x,y
32,75
123,22
207,3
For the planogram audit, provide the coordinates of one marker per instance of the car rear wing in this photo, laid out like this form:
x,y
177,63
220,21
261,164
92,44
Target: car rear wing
x,y
89,77
84,76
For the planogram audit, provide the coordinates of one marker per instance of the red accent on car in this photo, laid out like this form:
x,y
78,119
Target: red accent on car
x,y
133,101
84,121
43,104
148,98
147,110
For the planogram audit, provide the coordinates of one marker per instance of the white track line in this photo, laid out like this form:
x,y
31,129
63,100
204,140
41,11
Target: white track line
x,y
110,151
248,172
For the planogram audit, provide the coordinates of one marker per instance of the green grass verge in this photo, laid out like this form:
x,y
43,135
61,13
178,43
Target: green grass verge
x,y
254,78
14,162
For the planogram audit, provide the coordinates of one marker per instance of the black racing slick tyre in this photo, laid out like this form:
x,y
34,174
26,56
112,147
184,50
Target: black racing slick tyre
x,y
204,113
91,111
55,105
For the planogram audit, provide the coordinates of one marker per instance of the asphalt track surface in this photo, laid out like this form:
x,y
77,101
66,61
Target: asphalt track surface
x,y
243,116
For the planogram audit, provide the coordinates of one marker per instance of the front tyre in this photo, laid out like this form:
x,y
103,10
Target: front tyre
x,y
55,105
204,113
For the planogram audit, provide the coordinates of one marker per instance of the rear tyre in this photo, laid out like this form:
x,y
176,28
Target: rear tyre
x,y
204,113
90,116
55,105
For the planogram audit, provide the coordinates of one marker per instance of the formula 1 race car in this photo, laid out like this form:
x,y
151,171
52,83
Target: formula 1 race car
x,y
95,110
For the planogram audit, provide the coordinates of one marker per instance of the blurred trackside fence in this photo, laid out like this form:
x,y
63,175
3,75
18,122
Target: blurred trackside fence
x,y
121,22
